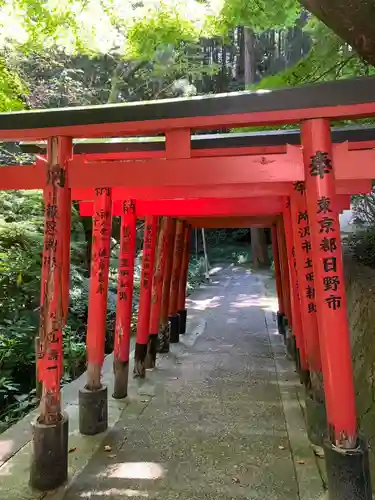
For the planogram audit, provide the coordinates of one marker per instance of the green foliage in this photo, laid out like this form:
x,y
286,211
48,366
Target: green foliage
x,y
329,59
362,246
11,89
259,15
159,33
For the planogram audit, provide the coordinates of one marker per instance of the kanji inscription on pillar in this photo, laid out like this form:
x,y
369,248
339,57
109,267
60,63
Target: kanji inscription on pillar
x,y
125,281
305,245
321,165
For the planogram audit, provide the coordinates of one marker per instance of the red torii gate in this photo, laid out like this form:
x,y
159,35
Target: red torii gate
x,y
306,235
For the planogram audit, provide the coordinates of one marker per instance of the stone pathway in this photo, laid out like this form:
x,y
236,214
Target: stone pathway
x,y
215,427
219,418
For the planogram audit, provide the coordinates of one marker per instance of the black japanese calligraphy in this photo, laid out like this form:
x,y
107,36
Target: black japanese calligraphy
x,y
306,246
331,283
302,216
311,307
326,225
328,245
333,301
324,204
310,292
304,231
329,264
320,165
299,186
308,264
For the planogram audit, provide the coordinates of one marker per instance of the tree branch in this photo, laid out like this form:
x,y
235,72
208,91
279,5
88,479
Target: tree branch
x,y
352,20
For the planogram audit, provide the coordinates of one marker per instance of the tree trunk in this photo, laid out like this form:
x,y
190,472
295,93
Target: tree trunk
x,y
352,20
258,237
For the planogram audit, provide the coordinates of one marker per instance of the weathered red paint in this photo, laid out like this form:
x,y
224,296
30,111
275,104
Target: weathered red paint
x,y
294,287
148,261
329,283
65,153
125,285
283,259
157,282
49,366
193,192
151,178
187,171
305,277
213,207
184,270
97,307
178,143
278,278
350,111
176,267
168,275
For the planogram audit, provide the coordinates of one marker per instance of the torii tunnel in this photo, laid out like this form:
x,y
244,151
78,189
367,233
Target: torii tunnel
x,y
295,182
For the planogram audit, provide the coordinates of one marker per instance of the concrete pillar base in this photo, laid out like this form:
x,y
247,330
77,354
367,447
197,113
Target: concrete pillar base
x,y
139,361
348,472
121,376
281,324
183,318
164,338
174,332
150,360
49,462
93,411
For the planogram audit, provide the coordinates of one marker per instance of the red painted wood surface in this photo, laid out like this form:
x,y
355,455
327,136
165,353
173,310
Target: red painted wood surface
x,y
168,274
294,294
176,267
200,207
65,153
157,282
188,171
329,282
204,191
305,277
283,258
351,111
193,173
184,270
233,191
125,284
98,292
278,278
50,354
148,261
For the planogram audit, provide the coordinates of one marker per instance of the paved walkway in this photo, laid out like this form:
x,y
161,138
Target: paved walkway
x,y
219,418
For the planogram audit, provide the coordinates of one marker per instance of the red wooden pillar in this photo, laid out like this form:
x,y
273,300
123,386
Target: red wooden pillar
x,y
295,300
175,281
49,466
124,305
157,290
329,282
65,151
346,455
181,300
144,308
305,276
283,258
278,278
93,412
164,323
